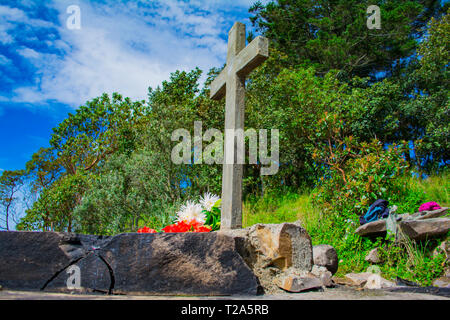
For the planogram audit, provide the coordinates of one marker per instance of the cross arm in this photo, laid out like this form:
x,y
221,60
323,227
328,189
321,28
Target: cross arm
x,y
252,56
246,60
218,85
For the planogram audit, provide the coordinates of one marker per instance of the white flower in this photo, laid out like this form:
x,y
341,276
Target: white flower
x,y
208,200
191,211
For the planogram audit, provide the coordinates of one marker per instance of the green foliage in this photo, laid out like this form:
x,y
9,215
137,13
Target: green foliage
x,y
334,35
408,260
10,183
342,133
53,211
432,79
357,175
213,216
413,261
127,193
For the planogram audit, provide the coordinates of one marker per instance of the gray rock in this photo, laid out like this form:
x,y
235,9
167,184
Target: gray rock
x,y
323,274
372,228
178,263
373,256
375,281
358,279
270,250
326,256
442,282
172,263
293,283
422,229
432,214
95,276
419,226
30,259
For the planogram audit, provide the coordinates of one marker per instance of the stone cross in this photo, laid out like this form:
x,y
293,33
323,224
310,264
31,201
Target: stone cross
x,y
241,60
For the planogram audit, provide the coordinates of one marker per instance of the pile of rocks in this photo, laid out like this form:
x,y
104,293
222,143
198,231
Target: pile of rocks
x,y
417,226
281,256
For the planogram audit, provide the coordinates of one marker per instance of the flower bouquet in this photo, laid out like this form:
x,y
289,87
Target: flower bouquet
x,y
194,217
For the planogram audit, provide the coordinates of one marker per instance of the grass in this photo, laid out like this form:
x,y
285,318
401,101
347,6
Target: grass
x,y
277,208
437,188
409,260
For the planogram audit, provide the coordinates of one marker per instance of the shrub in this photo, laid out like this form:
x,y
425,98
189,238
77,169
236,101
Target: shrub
x,y
358,174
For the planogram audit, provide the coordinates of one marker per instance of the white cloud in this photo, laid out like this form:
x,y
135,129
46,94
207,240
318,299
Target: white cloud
x,y
125,48
28,53
5,37
4,60
12,14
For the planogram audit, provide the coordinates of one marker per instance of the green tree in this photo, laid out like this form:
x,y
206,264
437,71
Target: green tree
x,y
10,184
429,85
334,34
79,145
53,210
141,188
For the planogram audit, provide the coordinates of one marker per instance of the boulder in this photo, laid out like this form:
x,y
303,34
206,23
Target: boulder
x,y
342,281
442,282
323,274
29,260
375,281
298,283
326,256
271,250
417,226
373,256
431,214
372,228
358,279
423,229
180,263
163,263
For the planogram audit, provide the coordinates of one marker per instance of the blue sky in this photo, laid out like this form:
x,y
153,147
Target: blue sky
x,y
47,70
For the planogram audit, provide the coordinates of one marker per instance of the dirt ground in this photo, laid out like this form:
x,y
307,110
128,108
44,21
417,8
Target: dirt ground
x,y
341,293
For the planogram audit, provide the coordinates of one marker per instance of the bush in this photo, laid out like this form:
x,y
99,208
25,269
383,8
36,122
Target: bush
x,y
358,175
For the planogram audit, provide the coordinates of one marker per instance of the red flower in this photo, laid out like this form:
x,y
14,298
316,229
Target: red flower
x,y
183,226
177,227
203,229
146,230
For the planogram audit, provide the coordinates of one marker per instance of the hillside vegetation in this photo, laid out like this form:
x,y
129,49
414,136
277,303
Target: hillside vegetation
x,y
360,112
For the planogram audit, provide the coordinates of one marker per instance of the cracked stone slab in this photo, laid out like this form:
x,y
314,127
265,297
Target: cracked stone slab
x,y
95,276
30,259
159,264
178,263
